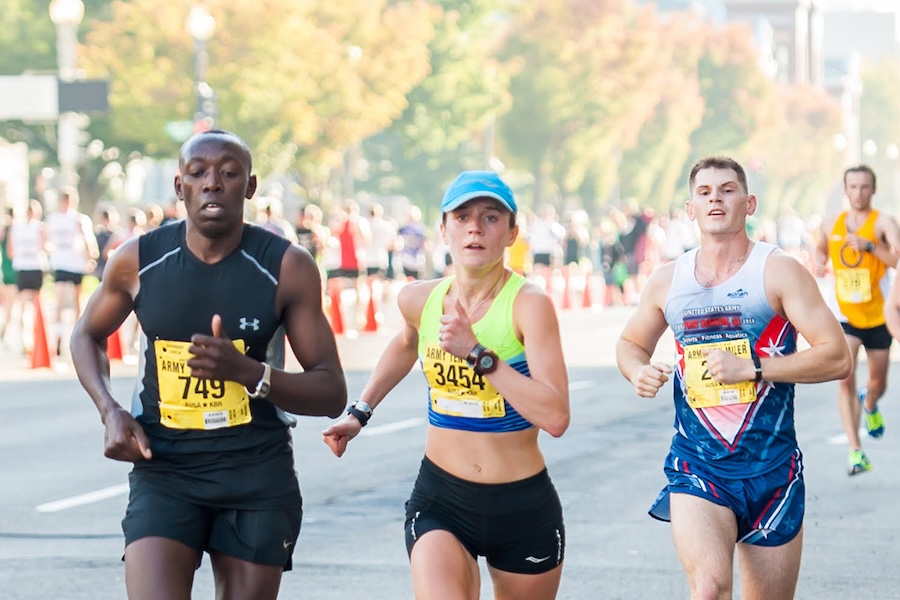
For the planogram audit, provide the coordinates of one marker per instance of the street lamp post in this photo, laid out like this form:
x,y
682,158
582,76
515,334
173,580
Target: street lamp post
x,y
201,25
67,15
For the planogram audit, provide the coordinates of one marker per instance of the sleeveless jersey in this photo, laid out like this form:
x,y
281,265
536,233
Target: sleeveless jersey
x,y
458,397
196,422
28,246
859,278
66,233
738,430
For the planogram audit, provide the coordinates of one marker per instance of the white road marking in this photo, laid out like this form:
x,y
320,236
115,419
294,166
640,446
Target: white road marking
x,y
842,440
392,427
581,385
82,499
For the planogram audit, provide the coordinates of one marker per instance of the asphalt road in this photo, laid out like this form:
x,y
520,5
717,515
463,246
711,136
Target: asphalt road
x,y
62,501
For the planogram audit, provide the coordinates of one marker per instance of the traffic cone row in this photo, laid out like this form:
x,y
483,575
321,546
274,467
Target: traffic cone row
x,y
371,314
567,300
40,353
337,320
114,346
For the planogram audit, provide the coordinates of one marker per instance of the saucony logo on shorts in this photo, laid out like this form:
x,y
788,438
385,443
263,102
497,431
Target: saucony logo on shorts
x,y
537,560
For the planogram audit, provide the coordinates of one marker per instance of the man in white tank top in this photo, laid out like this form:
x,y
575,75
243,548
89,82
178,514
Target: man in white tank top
x,y
72,248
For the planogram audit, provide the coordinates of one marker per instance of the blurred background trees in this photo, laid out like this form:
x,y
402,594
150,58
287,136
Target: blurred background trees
x,y
579,102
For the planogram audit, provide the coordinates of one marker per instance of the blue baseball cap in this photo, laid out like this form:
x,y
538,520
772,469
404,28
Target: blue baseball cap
x,y
478,184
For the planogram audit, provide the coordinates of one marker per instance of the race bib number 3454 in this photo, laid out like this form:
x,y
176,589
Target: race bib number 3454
x,y
457,390
702,390
187,402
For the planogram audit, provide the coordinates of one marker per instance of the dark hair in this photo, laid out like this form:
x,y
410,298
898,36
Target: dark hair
x,y
219,133
512,215
718,162
861,169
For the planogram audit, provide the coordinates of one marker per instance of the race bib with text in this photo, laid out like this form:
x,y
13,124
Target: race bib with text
x,y
187,402
456,389
854,286
702,390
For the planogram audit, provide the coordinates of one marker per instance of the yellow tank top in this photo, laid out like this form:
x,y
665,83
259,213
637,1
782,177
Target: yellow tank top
x,y
857,275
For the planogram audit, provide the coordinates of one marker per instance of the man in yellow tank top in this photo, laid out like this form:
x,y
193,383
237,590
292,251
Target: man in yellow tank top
x,y
861,244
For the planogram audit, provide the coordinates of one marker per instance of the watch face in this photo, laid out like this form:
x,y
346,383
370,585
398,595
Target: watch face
x,y
486,362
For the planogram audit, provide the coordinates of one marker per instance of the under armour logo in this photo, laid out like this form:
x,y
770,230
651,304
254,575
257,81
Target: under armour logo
x,y
245,324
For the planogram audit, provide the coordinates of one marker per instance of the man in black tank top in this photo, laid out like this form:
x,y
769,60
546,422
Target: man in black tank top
x,y
208,432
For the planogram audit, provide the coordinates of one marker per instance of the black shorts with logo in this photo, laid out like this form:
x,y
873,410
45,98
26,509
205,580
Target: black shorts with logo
x,y
156,508
517,526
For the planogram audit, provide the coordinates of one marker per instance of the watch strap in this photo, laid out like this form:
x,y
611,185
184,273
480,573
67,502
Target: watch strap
x,y
361,416
264,383
757,365
474,353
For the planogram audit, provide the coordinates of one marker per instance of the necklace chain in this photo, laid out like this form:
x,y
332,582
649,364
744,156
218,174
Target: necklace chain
x,y
738,261
471,311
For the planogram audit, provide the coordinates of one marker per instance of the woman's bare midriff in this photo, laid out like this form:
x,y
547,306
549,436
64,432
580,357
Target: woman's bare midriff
x,y
485,457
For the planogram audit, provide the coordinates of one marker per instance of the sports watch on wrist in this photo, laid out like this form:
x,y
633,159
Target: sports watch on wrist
x,y
264,383
870,247
362,412
482,360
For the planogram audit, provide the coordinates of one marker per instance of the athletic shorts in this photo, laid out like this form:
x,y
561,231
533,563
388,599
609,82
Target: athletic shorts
x,y
67,277
873,338
541,258
517,526
769,507
29,280
343,274
265,537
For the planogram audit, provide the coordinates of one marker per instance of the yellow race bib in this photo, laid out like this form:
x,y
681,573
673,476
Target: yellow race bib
x,y
854,286
702,390
456,389
187,402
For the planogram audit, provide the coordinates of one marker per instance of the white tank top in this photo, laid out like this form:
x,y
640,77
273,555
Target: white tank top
x,y
65,235
28,252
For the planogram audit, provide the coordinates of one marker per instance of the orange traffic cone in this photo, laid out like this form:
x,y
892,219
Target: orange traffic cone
x,y
566,299
337,320
40,355
114,346
371,316
586,300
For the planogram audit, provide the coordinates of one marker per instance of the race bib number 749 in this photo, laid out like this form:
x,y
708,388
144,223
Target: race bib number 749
x,y
187,402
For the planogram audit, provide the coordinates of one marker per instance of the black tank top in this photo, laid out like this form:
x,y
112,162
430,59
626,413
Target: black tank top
x,y
178,296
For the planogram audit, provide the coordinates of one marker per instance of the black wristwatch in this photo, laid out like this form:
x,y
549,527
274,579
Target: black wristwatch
x,y
362,412
870,247
482,360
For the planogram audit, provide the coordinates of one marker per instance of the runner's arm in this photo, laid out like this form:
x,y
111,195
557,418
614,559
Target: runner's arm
x,y
821,251
395,363
543,398
109,305
637,342
892,309
794,294
320,389
889,252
